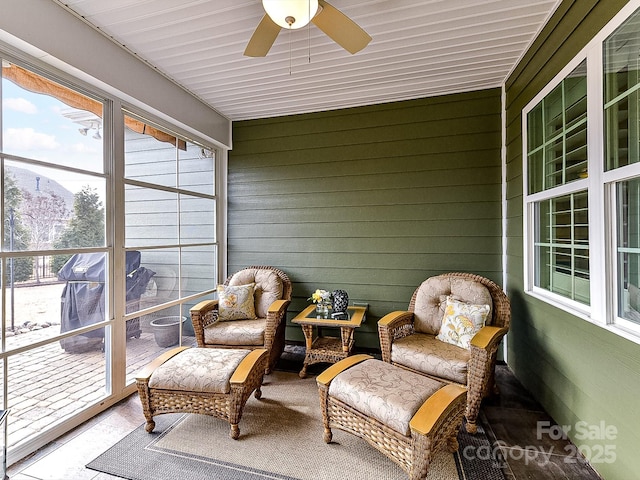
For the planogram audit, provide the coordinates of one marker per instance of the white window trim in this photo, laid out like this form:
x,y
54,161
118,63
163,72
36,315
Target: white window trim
x,y
602,310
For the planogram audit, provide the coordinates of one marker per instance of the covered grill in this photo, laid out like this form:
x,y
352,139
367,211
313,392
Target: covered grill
x,y
83,297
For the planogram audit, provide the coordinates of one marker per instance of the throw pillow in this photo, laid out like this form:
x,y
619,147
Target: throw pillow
x,y
236,302
461,322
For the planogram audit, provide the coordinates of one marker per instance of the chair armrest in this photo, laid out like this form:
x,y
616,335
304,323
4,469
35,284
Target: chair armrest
x,y
145,373
275,315
391,327
247,364
204,306
438,408
488,337
203,314
480,374
395,320
332,372
278,307
202,311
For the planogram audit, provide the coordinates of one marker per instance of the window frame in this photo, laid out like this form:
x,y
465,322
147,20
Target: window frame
x,y
113,167
600,185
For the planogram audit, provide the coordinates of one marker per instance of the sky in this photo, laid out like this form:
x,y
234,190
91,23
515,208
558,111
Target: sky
x,y
33,126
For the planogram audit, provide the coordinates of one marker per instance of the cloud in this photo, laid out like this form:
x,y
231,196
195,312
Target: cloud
x,y
20,105
82,148
28,139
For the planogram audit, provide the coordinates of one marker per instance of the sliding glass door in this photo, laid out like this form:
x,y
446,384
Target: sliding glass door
x,y
92,261
55,260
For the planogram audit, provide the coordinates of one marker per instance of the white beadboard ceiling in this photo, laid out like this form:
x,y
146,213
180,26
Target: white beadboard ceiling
x,y
420,48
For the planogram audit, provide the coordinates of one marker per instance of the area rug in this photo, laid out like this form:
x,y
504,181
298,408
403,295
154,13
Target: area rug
x,y
280,438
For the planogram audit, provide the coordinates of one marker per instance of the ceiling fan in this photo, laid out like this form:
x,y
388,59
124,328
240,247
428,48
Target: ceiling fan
x,y
293,14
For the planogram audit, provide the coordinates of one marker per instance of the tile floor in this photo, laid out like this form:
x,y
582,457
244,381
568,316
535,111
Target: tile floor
x,y
511,419
518,424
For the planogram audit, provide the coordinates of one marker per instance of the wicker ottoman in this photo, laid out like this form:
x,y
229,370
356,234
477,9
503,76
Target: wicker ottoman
x,y
406,416
209,381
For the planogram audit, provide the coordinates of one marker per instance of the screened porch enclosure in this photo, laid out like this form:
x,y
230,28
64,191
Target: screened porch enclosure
x,y
86,273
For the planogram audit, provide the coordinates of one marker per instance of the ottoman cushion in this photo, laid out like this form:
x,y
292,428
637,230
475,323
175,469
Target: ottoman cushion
x,y
385,392
204,370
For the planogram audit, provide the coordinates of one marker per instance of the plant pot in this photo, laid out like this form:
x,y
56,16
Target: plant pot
x,y
166,330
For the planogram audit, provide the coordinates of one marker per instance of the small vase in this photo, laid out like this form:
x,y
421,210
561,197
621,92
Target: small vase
x,y
340,302
322,310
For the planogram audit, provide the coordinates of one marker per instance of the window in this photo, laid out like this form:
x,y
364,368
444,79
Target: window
x,y
65,230
562,246
557,168
622,154
582,182
170,218
54,187
628,250
557,133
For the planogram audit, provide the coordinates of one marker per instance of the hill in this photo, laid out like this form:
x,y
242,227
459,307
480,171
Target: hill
x,y
28,180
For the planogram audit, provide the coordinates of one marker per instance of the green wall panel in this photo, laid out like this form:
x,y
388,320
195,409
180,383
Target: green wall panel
x,y
372,200
580,372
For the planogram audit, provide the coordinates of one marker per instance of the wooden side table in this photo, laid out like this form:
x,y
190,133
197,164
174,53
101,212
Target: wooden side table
x,y
327,349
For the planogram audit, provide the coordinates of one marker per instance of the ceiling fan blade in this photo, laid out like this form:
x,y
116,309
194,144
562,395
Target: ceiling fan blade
x,y
340,28
262,39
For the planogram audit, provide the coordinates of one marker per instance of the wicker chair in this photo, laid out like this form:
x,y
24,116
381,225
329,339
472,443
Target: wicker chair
x,y
267,331
417,349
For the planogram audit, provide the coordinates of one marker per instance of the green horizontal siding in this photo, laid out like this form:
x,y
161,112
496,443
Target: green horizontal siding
x,y
371,200
578,371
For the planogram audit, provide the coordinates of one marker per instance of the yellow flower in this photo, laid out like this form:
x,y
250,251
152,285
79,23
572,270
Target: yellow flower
x,y
319,295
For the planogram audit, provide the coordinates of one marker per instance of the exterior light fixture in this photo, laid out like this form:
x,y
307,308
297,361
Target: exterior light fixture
x,y
291,14
83,131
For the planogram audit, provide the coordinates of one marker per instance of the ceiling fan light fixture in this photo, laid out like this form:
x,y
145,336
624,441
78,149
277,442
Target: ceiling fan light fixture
x,y
291,14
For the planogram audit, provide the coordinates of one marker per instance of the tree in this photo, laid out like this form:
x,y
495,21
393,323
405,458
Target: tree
x,y
86,228
15,232
43,213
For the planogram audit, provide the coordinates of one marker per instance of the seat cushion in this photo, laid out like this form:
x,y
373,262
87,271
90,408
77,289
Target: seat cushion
x,y
268,287
432,294
238,332
384,392
424,353
198,370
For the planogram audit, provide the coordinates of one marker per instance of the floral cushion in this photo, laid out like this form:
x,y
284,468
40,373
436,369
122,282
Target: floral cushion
x,y
246,332
424,353
236,302
198,370
385,392
461,322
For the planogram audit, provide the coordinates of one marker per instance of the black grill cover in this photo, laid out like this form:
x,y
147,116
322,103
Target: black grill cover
x,y
83,297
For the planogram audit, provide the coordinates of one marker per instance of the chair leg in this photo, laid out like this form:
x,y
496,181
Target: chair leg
x,y
150,425
420,457
473,409
323,391
145,395
452,444
235,431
